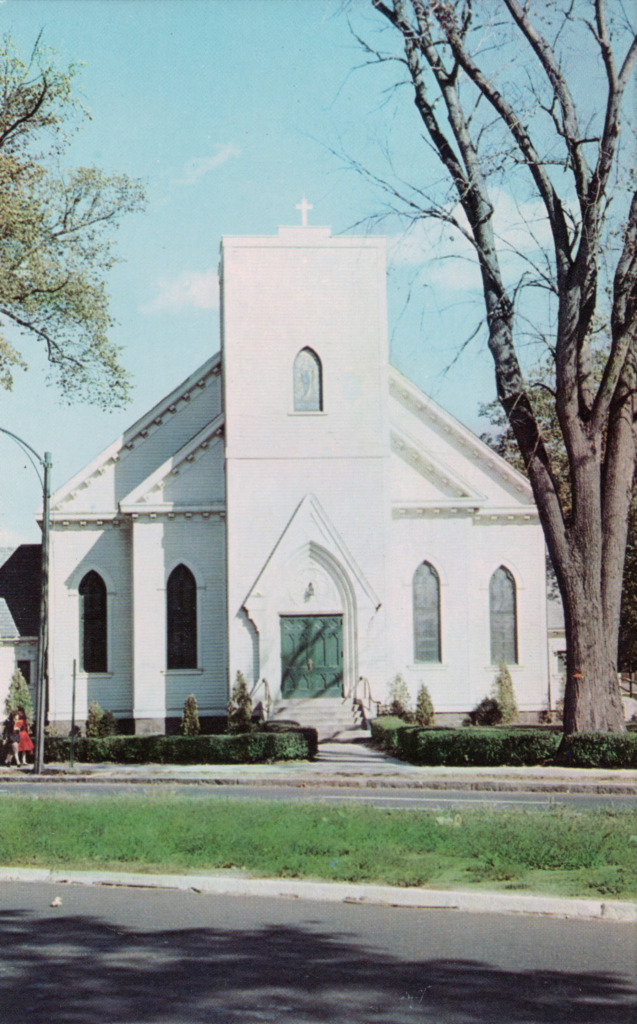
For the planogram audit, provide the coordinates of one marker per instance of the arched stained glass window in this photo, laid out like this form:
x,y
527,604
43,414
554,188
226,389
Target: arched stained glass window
x,y
426,600
181,619
503,617
308,382
93,624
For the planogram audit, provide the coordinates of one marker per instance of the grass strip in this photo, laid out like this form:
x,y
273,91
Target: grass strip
x,y
589,853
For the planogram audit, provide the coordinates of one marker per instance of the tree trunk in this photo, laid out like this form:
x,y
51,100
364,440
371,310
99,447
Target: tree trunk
x,y
592,698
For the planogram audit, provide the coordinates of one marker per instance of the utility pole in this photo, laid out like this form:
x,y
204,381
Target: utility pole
x,y
43,634
43,637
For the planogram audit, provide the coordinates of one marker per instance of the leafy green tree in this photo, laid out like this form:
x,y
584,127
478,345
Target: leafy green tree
x,y
56,228
504,117
18,696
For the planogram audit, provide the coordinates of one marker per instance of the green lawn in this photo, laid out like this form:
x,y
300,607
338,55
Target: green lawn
x,y
558,851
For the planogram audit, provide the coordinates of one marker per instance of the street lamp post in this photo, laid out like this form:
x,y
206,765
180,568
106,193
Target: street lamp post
x,y
43,634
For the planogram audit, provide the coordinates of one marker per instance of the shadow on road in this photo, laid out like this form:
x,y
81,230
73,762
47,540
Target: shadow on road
x,y
83,970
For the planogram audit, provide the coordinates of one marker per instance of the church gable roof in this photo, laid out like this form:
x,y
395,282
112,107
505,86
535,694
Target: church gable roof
x,y
145,446
449,455
191,478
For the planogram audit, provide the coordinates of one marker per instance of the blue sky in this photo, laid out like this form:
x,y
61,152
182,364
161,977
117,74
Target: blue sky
x,y
229,111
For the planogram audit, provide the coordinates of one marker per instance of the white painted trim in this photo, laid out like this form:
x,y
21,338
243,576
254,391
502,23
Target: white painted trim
x,y
120,443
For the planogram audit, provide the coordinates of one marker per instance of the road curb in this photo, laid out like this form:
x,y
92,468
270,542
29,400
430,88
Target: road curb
x,y
600,788
341,892
310,778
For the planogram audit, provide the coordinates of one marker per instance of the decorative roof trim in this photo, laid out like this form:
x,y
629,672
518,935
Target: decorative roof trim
x,y
421,405
438,509
413,453
140,430
190,452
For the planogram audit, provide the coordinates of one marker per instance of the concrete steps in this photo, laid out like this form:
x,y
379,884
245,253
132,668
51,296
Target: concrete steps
x,y
330,716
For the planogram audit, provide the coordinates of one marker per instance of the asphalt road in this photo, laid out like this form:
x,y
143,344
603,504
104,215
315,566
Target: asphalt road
x,y
379,797
118,956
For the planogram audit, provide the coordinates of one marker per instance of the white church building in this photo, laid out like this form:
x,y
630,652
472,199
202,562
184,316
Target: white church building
x,y
298,511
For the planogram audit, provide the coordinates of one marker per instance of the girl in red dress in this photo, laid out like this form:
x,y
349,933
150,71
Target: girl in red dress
x,y
25,745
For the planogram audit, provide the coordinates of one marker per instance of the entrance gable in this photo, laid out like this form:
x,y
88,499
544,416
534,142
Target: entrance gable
x,y
310,574
310,538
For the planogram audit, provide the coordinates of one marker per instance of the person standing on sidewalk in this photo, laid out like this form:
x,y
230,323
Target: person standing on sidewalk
x,y
25,743
11,736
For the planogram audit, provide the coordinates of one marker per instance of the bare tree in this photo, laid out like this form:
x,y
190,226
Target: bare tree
x,y
454,53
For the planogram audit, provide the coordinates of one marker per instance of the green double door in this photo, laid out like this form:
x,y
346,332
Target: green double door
x,y
311,656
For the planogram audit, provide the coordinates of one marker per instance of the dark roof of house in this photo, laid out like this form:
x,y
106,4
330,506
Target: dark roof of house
x,y
20,574
8,628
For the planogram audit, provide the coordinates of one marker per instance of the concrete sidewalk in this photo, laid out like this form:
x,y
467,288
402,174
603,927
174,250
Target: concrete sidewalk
x,y
350,765
240,883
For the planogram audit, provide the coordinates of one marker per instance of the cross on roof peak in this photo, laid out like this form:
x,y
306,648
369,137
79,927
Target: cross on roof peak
x,y
304,206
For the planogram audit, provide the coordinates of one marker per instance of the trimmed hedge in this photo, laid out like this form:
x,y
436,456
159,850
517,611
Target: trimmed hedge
x,y
240,748
599,750
488,748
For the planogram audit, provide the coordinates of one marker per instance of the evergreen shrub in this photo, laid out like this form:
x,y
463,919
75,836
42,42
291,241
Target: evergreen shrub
x,y
425,714
99,722
190,725
240,706
19,697
487,712
398,698
238,748
599,750
385,731
504,694
465,747
310,734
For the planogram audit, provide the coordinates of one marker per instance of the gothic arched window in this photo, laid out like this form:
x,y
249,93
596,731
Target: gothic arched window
x,y
503,618
181,619
426,601
308,382
93,624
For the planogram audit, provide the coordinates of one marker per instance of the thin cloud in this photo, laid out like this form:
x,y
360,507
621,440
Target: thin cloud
x,y
522,235
199,166
189,290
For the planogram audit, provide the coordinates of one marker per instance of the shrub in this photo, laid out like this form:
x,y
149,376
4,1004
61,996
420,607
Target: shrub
x,y
599,750
504,694
487,712
19,697
398,698
385,731
240,707
100,723
465,747
240,748
308,731
189,725
425,714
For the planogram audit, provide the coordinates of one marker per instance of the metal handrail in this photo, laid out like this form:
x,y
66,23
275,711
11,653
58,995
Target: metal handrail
x,y
367,694
268,696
